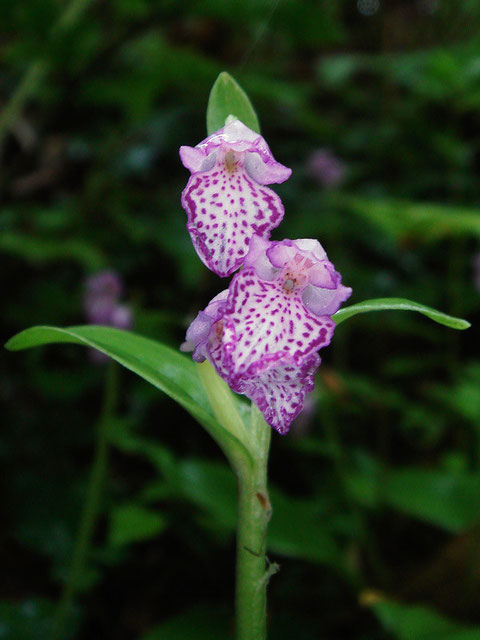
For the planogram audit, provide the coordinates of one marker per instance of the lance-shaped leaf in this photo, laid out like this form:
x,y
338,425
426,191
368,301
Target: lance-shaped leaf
x,y
170,371
400,304
227,98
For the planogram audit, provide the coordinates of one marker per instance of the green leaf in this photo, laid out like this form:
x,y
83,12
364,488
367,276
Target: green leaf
x,y
39,250
448,500
167,369
227,98
210,486
300,528
423,221
400,304
133,523
408,622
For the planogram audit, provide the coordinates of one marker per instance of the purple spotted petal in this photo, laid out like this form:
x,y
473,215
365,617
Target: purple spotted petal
x,y
263,323
225,199
225,209
279,391
276,382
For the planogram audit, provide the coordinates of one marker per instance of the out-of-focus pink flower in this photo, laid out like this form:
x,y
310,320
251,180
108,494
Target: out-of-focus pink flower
x,y
328,170
101,305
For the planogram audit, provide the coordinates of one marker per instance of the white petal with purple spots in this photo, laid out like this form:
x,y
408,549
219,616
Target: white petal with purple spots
x,y
264,322
225,208
279,391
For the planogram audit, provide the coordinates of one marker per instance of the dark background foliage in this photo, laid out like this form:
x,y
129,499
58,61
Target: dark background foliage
x,y
376,491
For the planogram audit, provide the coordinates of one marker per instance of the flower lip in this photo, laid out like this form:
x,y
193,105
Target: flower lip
x,y
263,323
280,391
275,379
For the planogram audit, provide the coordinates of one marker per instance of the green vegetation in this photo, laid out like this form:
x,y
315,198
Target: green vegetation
x,y
376,490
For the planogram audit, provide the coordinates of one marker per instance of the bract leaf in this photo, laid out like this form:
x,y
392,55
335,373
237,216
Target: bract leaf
x,y
400,304
227,98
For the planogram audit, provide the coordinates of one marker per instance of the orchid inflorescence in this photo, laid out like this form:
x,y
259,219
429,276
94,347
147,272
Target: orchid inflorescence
x,y
263,333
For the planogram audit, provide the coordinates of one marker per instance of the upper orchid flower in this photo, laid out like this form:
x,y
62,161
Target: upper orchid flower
x,y
225,200
263,333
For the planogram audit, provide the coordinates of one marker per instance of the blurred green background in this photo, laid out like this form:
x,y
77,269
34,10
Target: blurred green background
x,y
376,490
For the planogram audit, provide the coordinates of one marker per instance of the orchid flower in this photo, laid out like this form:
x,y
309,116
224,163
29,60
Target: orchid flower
x,y
326,169
225,198
100,301
262,334
101,306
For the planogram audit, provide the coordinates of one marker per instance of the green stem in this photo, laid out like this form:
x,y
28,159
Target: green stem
x,y
91,504
247,451
254,511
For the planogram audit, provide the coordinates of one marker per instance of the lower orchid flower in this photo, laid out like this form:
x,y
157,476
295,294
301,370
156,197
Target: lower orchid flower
x,y
263,333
